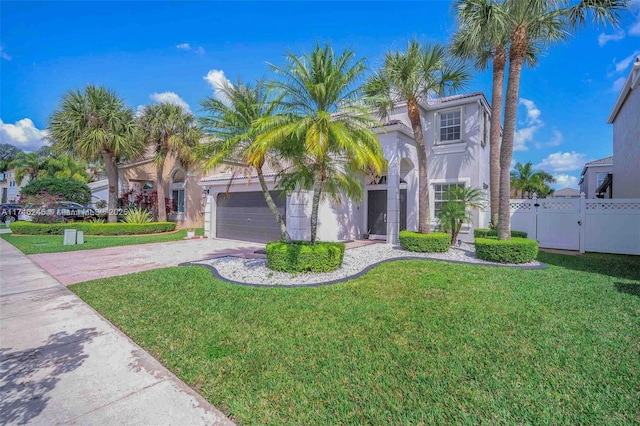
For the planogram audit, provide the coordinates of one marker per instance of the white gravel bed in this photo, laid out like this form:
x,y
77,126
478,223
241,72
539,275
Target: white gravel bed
x,y
255,271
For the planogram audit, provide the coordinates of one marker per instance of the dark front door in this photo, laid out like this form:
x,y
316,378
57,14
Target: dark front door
x,y
377,211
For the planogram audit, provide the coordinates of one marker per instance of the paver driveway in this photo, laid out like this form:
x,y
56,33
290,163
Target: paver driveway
x,y
84,265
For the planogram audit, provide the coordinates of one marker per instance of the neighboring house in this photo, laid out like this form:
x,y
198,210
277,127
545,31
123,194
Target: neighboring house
x,y
566,193
9,188
595,179
4,189
625,118
456,131
99,191
181,188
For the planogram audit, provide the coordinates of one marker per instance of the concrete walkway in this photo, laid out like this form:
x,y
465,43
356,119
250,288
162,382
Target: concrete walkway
x,y
84,265
62,363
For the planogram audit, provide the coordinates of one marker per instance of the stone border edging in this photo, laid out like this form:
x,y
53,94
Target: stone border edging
x,y
217,275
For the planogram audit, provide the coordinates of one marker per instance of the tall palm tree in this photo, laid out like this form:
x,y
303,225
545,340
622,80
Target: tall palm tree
x,y
172,132
538,23
527,181
411,76
325,129
93,125
231,124
482,37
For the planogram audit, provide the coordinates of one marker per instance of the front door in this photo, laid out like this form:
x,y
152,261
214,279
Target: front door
x,y
377,211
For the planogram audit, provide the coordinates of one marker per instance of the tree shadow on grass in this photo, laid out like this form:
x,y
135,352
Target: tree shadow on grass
x,y
28,376
628,288
612,265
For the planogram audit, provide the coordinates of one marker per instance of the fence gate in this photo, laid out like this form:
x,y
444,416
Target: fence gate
x,y
558,223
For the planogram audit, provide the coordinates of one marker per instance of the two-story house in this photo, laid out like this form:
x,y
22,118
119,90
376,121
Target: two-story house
x,y
456,131
595,178
625,118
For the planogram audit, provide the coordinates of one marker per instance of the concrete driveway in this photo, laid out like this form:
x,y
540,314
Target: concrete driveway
x,y
84,265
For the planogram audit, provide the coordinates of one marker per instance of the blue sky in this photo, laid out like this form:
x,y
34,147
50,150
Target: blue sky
x,y
163,51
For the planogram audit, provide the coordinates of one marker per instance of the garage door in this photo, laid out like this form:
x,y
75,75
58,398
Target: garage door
x,y
245,216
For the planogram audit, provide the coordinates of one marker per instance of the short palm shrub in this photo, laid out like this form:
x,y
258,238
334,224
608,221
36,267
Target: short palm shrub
x,y
302,256
137,215
493,233
515,250
91,228
456,210
435,242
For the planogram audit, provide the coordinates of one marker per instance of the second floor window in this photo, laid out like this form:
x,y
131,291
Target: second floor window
x,y
600,177
449,126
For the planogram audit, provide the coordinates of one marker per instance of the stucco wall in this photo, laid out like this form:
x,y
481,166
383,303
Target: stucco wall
x,y
626,148
590,181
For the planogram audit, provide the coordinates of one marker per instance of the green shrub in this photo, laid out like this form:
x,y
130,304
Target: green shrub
x,y
516,250
137,215
91,228
66,188
493,233
302,256
435,242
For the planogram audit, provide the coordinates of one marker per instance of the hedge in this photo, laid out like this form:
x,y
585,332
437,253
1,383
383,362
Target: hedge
x,y
302,256
516,250
91,228
490,233
435,242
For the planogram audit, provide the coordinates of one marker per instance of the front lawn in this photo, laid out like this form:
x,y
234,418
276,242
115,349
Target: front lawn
x,y
36,244
410,342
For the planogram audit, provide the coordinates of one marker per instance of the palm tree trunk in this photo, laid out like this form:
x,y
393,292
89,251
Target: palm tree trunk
x,y
317,191
424,224
499,60
284,235
516,60
162,205
111,167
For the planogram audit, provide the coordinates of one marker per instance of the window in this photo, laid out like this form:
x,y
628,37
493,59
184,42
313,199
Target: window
x,y
449,126
600,177
177,197
439,189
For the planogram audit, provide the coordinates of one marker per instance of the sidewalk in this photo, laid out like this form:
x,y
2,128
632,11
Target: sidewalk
x,y
62,363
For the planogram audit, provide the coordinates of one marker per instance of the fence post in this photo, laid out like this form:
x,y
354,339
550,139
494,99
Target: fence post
x,y
534,203
582,214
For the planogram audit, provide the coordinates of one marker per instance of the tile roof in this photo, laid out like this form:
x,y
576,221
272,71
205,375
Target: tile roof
x,y
606,160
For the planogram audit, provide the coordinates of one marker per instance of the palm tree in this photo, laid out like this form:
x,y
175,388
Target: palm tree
x,y
65,166
325,129
455,211
482,37
527,181
172,132
412,76
96,125
538,23
27,165
232,127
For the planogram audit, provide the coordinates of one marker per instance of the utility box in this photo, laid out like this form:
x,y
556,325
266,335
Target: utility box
x,y
80,237
70,236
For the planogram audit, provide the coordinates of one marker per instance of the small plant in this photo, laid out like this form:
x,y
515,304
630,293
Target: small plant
x,y
101,204
455,211
516,250
137,215
435,242
302,256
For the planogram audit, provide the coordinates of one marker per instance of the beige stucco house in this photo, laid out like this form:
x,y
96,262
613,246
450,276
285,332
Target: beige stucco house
x,y
456,131
625,118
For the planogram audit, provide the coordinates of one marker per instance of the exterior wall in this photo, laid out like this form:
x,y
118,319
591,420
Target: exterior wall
x,y
626,148
590,179
13,187
146,172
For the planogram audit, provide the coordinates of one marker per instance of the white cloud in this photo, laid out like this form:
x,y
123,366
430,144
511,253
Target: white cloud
x,y
200,50
184,46
4,54
565,181
216,79
634,6
624,64
533,123
170,98
617,85
22,134
562,162
605,38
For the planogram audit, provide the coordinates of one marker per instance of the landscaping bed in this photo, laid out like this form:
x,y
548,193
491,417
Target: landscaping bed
x,y
410,342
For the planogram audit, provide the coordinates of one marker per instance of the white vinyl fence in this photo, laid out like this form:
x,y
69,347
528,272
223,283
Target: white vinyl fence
x,y
595,225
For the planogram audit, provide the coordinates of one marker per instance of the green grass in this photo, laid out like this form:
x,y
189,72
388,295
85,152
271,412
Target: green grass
x,y
410,342
36,244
